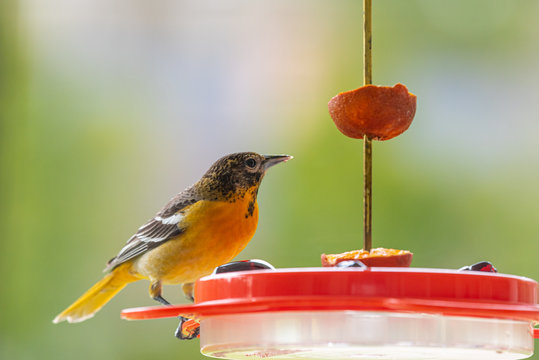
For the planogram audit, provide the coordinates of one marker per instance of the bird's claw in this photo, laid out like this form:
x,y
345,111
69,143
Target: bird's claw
x,y
188,329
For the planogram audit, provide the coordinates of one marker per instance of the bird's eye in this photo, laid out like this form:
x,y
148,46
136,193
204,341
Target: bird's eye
x,y
250,163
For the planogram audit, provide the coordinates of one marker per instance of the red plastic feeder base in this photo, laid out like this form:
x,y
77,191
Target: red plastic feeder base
x,y
373,313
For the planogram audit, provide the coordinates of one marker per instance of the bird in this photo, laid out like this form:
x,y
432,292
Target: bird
x,y
199,229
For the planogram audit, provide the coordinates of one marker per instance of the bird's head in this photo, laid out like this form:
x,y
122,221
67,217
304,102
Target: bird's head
x,y
236,173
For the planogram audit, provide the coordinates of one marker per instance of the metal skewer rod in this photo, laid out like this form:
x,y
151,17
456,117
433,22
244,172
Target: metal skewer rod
x,y
367,143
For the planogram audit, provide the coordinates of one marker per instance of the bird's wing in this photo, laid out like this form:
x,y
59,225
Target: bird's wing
x,y
163,227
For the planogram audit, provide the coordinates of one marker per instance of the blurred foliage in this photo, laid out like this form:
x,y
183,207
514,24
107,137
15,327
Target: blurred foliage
x,y
78,173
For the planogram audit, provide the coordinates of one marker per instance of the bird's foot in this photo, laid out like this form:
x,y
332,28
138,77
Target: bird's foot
x,y
188,329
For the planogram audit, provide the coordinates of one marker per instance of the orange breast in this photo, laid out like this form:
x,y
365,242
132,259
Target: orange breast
x,y
216,231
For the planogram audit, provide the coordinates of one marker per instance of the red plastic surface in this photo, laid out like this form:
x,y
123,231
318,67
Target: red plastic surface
x,y
446,292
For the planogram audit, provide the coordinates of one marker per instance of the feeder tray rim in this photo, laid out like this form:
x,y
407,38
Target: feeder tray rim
x,y
419,290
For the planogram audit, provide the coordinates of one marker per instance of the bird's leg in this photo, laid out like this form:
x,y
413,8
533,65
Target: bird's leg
x,y
188,289
162,300
155,292
191,334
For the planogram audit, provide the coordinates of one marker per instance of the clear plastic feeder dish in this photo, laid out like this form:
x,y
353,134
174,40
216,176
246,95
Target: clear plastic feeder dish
x,y
373,313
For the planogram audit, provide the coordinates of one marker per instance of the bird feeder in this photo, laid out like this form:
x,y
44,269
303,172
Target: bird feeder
x,y
362,312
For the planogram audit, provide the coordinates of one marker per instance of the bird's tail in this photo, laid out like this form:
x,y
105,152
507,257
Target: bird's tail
x,y
98,295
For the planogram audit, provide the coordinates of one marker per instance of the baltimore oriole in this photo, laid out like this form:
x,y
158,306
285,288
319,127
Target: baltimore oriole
x,y
201,228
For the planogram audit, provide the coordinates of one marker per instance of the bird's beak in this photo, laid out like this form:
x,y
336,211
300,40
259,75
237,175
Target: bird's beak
x,y
270,160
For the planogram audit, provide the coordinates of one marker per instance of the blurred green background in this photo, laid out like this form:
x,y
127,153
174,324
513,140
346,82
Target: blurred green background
x,y
107,109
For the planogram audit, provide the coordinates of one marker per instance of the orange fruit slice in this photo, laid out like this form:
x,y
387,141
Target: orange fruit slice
x,y
376,257
380,112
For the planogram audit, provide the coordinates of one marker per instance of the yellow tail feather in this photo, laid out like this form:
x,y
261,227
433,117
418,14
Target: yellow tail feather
x,y
98,295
